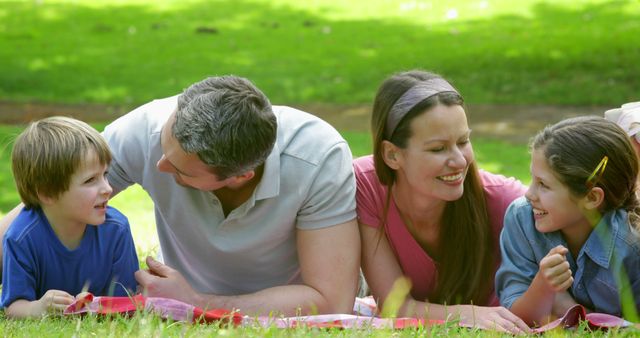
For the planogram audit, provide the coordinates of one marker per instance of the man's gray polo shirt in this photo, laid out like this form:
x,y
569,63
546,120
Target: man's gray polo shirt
x,y
308,183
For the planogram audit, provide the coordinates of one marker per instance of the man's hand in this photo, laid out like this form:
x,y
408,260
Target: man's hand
x,y
555,270
162,281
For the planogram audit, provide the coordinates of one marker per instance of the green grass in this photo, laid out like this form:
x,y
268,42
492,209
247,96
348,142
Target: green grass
x,y
128,52
146,325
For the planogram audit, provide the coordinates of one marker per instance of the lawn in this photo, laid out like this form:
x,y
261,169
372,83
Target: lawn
x,y
128,52
144,325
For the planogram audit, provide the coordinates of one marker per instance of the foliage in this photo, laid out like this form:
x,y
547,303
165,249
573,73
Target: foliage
x,y
500,51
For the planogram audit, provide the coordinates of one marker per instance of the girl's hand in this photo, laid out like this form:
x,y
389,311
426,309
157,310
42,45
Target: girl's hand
x,y
555,270
54,301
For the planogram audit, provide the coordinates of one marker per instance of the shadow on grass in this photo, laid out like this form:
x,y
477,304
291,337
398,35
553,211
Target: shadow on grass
x,y
128,54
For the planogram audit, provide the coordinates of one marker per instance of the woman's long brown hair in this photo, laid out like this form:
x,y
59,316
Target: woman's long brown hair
x,y
466,262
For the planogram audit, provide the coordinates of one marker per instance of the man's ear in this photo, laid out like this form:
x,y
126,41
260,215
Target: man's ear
x,y
244,177
594,198
391,155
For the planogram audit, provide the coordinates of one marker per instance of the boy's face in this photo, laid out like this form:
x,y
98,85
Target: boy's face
x,y
553,206
85,202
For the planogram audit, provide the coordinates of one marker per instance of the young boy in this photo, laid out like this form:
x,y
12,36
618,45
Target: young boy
x,y
66,240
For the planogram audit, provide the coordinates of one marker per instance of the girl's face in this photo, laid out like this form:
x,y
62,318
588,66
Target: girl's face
x,y
438,154
554,208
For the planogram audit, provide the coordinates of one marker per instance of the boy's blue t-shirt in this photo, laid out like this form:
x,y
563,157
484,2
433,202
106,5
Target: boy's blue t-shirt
x,y
35,261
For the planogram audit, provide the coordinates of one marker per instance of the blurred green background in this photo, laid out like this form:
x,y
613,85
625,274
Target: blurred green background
x,y
119,54
128,52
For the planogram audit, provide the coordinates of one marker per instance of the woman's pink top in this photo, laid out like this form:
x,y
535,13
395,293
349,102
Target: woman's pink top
x,y
416,264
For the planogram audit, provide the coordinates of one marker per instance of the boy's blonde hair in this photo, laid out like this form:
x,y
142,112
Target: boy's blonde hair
x,y
48,152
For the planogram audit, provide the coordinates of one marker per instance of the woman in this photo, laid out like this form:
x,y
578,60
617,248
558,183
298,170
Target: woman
x,y
426,212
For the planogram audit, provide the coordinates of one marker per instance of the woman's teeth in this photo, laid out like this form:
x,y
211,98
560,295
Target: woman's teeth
x,y
450,178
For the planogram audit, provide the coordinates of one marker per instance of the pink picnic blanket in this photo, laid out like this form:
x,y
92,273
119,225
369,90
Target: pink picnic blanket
x,y
178,311
577,313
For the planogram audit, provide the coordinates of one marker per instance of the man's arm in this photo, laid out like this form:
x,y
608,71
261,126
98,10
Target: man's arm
x,y
4,226
329,263
382,270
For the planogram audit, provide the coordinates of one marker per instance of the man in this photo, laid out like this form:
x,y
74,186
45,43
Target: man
x,y
255,207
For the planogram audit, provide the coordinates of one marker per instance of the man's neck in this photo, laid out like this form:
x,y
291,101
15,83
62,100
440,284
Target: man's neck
x,y
233,197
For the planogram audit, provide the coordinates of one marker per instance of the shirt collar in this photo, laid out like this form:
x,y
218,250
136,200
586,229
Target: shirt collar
x,y
269,185
600,244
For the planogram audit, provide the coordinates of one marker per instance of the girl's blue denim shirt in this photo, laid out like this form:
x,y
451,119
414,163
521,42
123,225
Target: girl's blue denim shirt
x,y
597,271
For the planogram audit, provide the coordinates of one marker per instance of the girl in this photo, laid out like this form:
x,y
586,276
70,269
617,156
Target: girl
x,y
573,238
425,210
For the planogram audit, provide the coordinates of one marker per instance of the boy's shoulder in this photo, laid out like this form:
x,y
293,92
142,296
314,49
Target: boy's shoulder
x,y
115,219
29,222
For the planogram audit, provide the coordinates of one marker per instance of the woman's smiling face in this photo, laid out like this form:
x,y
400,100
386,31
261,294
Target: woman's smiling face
x,y
438,153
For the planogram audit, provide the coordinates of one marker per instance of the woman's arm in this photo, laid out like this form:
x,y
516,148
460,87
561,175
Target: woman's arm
x,y
381,270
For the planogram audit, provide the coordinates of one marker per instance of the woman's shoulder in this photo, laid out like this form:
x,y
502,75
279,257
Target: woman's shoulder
x,y
364,165
365,171
497,181
366,177
499,190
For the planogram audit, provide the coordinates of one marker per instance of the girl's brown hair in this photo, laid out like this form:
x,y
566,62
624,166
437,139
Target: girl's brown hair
x,y
467,259
575,147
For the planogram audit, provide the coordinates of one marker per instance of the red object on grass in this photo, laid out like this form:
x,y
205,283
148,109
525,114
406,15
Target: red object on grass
x,y
163,307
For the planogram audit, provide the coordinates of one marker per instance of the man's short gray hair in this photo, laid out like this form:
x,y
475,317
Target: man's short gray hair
x,y
228,122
